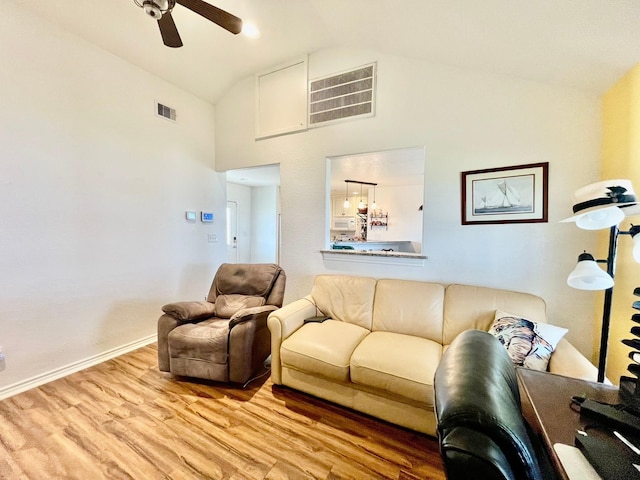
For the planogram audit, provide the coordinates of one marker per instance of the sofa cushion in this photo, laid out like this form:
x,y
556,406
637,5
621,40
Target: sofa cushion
x,y
227,305
345,298
467,307
402,365
323,348
409,307
205,341
528,343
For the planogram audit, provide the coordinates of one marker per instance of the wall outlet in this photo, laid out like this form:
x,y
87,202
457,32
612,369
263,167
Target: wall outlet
x,y
212,238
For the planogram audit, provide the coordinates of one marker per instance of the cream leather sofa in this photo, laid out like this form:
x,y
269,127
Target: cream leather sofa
x,y
380,349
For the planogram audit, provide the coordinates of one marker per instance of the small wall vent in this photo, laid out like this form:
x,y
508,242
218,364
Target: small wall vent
x,y
345,95
165,112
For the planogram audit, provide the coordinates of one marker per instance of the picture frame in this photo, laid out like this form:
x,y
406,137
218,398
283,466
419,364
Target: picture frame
x,y
515,194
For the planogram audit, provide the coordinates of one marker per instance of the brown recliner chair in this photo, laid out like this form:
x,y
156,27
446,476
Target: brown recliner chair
x,y
224,338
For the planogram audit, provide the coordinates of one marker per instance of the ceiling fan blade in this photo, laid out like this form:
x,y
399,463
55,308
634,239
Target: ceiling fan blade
x,y
226,20
169,31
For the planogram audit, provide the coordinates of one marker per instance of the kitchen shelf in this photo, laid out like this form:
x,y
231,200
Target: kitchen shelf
x,y
379,221
362,221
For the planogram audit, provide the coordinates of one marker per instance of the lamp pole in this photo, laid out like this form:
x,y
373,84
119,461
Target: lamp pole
x,y
608,301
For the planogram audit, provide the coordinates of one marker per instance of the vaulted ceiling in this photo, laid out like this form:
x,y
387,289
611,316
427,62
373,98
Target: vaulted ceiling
x,y
584,44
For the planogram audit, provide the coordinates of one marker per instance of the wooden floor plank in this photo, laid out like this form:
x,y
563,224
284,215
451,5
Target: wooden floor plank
x,y
125,420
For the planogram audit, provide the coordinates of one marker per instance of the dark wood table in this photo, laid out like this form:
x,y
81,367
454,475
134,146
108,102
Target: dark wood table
x,y
546,405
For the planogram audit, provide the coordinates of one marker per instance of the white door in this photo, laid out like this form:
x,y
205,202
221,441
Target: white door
x,y
232,232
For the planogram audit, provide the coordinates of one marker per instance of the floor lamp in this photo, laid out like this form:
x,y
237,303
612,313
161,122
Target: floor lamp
x,y
597,206
587,275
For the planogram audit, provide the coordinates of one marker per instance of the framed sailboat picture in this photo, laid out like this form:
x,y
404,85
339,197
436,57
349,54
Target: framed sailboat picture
x,y
516,194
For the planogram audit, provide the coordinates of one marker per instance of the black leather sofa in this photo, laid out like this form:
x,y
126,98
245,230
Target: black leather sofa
x,y
481,430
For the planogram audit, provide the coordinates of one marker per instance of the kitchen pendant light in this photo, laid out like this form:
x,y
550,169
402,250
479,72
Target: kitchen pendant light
x,y
361,203
346,195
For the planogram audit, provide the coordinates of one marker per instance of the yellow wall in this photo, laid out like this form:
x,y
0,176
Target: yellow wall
x,y
621,159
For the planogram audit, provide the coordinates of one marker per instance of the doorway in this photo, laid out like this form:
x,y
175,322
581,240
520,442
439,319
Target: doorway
x,y
254,194
232,232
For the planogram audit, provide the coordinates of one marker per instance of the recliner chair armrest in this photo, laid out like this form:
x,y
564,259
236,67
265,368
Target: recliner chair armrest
x,y
468,450
476,388
251,313
189,311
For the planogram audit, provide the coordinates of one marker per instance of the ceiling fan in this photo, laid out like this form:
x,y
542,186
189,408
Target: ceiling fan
x,y
161,11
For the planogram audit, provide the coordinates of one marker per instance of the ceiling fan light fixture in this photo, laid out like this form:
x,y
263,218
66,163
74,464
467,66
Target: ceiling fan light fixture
x,y
153,11
153,8
250,30
160,10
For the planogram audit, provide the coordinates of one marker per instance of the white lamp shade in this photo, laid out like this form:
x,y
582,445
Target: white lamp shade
x,y
636,248
603,218
346,203
634,231
588,275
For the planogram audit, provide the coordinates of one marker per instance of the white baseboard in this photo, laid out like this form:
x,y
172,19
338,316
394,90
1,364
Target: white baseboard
x,y
60,372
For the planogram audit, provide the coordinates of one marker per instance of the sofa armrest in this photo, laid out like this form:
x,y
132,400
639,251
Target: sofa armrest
x,y
566,360
189,311
282,323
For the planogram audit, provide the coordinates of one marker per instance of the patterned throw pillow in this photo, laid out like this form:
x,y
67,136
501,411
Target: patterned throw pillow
x,y
528,343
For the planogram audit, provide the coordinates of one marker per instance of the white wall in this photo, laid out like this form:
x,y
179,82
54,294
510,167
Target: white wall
x,y
241,194
466,120
93,193
264,223
405,220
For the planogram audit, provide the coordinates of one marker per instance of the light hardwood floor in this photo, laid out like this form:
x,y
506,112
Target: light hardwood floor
x,y
123,419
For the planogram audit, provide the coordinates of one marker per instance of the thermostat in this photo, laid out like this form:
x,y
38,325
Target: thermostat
x,y
206,216
190,216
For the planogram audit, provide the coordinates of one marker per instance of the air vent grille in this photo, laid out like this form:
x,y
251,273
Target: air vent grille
x,y
165,112
345,95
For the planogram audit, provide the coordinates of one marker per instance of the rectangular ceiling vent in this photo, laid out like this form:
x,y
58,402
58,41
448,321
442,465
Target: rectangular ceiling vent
x,y
165,112
342,96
